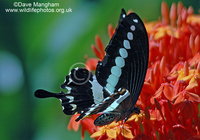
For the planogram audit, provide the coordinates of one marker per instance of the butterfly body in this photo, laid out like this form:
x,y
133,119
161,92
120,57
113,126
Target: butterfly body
x,y
118,80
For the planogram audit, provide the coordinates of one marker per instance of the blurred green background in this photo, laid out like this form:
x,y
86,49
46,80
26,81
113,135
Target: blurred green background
x,y
37,50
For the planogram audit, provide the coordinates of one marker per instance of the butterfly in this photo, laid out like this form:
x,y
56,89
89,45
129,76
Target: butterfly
x,y
115,87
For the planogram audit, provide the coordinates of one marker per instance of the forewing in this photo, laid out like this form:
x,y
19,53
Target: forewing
x,y
126,59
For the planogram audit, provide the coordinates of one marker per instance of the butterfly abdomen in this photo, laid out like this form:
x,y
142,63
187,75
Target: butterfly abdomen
x,y
105,119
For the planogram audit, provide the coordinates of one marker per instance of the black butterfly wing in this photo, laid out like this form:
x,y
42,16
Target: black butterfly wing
x,y
83,90
123,67
126,59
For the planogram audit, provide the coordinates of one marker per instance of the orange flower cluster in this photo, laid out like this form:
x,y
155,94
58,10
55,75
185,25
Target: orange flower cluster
x,y
171,93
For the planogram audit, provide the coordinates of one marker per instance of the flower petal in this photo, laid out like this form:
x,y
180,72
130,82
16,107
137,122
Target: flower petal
x,y
113,124
100,45
73,124
88,124
181,132
193,97
97,52
91,64
187,110
142,136
112,133
168,92
98,133
138,119
110,30
127,133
